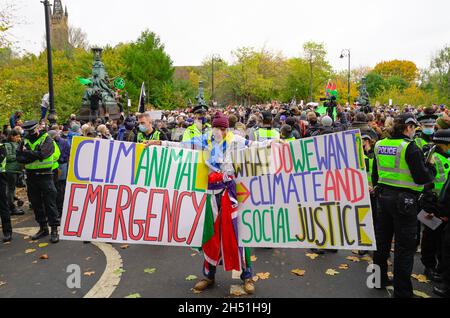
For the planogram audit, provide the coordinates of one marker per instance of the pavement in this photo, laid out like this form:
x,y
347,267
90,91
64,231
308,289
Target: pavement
x,y
117,271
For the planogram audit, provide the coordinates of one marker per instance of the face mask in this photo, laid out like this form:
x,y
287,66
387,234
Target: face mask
x,y
448,152
428,131
142,128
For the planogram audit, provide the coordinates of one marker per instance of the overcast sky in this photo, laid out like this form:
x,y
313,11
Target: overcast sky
x,y
193,29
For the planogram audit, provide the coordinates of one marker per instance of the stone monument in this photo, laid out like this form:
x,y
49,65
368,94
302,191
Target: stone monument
x,y
99,98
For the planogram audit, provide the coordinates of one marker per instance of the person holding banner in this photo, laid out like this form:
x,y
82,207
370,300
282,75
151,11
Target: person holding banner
x,y
400,173
220,243
146,130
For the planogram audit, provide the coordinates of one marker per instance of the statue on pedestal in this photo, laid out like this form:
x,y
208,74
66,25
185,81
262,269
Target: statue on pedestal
x,y
363,98
99,99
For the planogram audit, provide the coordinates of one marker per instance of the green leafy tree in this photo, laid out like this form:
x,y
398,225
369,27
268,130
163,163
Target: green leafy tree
x,y
315,54
440,73
398,82
375,83
146,61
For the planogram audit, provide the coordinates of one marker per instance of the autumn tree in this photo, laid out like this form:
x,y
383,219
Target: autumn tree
x,y
406,70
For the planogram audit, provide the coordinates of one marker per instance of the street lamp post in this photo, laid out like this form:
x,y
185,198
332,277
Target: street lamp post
x,y
346,53
213,59
52,112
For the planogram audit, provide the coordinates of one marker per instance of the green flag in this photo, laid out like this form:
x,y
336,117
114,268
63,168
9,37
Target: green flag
x,y
84,81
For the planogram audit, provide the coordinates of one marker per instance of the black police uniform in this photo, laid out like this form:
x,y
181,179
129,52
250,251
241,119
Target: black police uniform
x,y
397,216
4,209
442,209
40,186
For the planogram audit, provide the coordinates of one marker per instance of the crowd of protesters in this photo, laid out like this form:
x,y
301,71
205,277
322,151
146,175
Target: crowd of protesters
x,y
256,123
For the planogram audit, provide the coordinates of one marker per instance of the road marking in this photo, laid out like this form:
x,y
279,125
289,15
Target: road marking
x,y
106,285
109,281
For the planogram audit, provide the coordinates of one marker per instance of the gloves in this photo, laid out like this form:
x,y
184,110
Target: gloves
x,y
428,202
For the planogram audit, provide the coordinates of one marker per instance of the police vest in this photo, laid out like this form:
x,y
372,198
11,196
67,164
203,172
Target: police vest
x,y
46,163
262,134
369,168
155,136
56,156
3,162
289,139
191,132
393,169
420,142
442,170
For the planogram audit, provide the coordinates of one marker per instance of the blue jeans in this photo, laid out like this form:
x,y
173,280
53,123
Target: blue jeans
x,y
210,271
43,112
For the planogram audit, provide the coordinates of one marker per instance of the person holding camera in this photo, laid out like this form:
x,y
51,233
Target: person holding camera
x,y
399,173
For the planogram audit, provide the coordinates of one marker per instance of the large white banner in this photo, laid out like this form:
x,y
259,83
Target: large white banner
x,y
120,192
309,193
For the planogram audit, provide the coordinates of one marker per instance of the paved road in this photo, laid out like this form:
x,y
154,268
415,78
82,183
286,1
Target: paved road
x,y
110,270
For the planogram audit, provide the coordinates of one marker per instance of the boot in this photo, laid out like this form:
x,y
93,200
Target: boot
x,y
17,211
43,232
204,284
432,275
317,251
54,238
443,290
7,237
249,286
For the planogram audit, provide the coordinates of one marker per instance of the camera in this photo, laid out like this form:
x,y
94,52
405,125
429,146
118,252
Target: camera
x,y
329,103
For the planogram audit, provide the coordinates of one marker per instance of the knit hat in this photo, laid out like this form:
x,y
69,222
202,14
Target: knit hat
x,y
220,121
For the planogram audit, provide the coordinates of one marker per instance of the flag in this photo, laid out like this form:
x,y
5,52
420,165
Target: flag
x,y
331,90
142,99
84,81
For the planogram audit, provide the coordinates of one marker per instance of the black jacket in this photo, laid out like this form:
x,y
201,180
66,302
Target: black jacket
x,y
25,155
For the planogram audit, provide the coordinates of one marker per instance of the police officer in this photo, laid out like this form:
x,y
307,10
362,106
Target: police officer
x,y
200,124
442,139
400,172
37,153
4,209
431,244
146,131
286,133
427,124
266,131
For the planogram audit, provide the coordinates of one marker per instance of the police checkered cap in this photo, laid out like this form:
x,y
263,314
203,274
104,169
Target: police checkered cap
x,y
30,125
442,136
407,119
